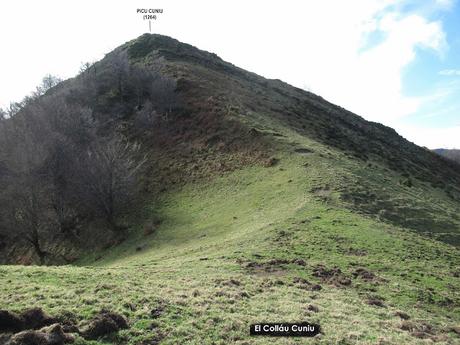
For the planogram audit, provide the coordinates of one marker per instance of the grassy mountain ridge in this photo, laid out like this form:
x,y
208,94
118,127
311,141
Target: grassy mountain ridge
x,y
307,113
265,106
272,205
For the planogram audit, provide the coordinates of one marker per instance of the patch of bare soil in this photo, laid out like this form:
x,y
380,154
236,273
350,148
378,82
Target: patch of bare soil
x,y
304,284
368,276
35,327
33,318
376,301
51,335
272,266
421,330
103,324
332,276
313,308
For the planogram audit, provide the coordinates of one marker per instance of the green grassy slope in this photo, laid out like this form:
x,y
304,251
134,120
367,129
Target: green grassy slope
x,y
244,247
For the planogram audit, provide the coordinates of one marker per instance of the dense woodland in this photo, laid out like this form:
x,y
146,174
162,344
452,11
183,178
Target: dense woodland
x,y
64,161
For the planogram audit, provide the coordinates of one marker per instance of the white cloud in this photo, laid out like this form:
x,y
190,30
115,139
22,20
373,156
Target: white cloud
x,y
433,138
371,82
450,72
445,4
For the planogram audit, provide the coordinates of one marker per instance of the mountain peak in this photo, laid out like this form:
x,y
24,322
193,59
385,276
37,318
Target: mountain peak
x,y
167,46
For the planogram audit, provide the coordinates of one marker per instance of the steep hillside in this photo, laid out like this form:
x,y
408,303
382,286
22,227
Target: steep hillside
x,y
266,108
258,202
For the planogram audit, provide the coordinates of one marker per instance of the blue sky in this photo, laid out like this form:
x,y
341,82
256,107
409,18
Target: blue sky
x,y
396,62
435,75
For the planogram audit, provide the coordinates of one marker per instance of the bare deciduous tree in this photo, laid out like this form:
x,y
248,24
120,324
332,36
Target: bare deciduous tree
x,y
26,151
47,83
108,175
60,161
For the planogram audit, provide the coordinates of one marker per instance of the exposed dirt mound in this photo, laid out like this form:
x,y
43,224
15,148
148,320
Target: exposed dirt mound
x,y
10,322
34,318
332,275
35,327
367,275
272,265
376,301
157,312
51,335
103,324
420,330
304,284
313,308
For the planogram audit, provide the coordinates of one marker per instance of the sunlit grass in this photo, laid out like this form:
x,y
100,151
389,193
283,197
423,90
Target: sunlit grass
x,y
211,230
